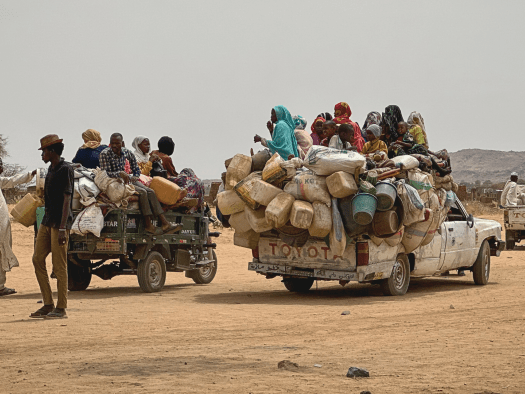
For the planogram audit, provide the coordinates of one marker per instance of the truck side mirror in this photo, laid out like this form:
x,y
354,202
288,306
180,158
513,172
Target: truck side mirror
x,y
470,221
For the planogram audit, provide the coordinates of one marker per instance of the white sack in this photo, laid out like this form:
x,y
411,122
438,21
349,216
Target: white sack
x,y
325,161
90,220
88,191
309,187
408,162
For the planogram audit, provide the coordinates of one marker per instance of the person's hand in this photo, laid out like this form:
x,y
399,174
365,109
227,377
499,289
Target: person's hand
x,y
270,126
257,138
62,236
124,176
33,173
154,157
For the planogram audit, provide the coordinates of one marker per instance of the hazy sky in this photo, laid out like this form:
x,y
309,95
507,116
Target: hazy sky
x,y
207,73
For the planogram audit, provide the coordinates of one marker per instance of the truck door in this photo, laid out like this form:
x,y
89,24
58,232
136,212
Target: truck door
x,y
460,239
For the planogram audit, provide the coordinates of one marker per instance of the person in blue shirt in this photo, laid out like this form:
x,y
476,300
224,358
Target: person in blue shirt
x,y
88,154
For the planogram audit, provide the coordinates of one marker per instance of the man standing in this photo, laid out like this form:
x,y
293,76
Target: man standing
x,y
113,160
53,234
509,196
7,258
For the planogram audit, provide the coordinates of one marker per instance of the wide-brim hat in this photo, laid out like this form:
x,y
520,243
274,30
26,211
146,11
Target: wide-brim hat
x,y
49,140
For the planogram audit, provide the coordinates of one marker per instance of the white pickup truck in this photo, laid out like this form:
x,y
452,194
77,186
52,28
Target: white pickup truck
x,y
514,218
461,242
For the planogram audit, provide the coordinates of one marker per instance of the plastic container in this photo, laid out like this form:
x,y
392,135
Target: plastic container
x,y
273,172
363,208
257,219
341,184
386,194
167,192
244,189
278,211
229,202
322,220
239,168
239,222
249,239
25,211
385,223
260,159
263,193
377,241
302,214
40,180
352,228
337,235
40,212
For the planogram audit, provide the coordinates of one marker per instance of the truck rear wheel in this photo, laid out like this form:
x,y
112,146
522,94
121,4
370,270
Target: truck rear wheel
x,y
78,278
206,274
298,285
481,268
151,273
399,279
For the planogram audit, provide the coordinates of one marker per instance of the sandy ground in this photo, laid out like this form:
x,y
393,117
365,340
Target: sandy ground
x,y
446,335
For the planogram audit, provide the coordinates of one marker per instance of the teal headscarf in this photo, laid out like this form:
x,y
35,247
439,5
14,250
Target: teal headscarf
x,y
283,139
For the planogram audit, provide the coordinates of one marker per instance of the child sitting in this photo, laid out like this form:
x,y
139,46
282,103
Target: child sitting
x,y
344,139
374,146
329,130
405,144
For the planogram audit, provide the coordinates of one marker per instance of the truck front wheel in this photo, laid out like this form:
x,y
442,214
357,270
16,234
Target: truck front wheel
x,y
151,273
298,285
206,274
399,279
481,268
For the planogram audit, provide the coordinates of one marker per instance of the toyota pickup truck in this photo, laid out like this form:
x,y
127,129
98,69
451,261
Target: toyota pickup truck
x,y
514,219
461,242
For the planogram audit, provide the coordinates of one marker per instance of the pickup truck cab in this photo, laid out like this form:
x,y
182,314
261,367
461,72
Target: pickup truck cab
x,y
461,242
514,219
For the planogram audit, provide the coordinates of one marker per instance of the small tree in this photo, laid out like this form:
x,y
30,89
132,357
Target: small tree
x,y
3,146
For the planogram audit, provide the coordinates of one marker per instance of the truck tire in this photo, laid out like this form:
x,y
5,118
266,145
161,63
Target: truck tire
x,y
206,274
399,279
78,278
298,285
481,268
151,273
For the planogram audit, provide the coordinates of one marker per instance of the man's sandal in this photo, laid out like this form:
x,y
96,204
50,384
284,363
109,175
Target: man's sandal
x,y
57,313
46,309
6,291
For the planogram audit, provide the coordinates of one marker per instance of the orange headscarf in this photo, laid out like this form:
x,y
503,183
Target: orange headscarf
x,y
342,113
92,139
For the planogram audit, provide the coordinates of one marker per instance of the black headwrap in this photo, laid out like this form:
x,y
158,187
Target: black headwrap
x,y
391,117
166,145
325,116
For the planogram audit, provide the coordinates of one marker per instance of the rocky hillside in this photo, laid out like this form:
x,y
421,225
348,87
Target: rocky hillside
x,y
470,165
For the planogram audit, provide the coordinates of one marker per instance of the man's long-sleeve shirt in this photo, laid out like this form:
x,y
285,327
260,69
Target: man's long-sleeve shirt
x,y
114,164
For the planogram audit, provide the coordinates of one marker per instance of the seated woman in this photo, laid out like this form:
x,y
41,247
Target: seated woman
x,y
283,139
304,141
317,130
193,185
88,154
374,145
166,149
417,128
144,159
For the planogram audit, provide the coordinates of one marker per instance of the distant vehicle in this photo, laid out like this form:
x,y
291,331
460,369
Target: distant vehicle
x,y
514,219
462,242
124,248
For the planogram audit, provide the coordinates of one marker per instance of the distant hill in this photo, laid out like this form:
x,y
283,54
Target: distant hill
x,y
470,165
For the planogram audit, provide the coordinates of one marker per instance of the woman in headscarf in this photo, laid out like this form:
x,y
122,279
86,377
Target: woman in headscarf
x,y
317,130
142,154
374,144
166,149
391,118
372,118
342,114
325,116
417,128
88,154
283,137
193,185
304,141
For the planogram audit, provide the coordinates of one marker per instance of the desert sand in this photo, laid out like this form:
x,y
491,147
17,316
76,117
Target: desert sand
x,y
446,335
